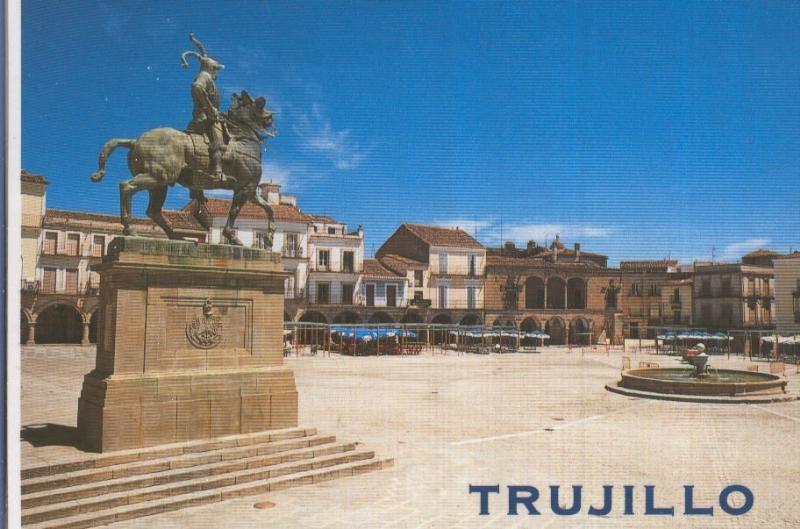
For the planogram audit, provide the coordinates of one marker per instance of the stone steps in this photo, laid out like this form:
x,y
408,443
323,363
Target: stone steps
x,y
108,475
185,475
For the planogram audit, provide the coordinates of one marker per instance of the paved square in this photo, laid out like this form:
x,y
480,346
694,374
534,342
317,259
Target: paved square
x,y
539,419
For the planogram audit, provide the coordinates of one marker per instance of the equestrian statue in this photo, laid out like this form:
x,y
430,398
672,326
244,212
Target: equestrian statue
x,y
217,151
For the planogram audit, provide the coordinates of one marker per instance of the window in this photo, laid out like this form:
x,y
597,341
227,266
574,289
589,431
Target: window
x,y
291,248
391,295
634,329
418,278
473,265
73,243
725,290
331,231
71,283
98,245
50,243
726,313
705,288
705,314
442,297
471,296
260,240
323,259
676,296
370,295
418,297
323,293
348,262
49,280
635,289
752,290
654,290
442,263
347,293
288,288
676,317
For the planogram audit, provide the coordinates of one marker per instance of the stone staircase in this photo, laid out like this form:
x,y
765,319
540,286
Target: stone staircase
x,y
105,488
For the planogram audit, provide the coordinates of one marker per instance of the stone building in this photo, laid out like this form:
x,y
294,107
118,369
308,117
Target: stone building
x,y
59,290
570,294
733,296
444,268
787,294
643,298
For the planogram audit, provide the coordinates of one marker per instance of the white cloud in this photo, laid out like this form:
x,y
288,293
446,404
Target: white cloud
x,y
489,230
318,135
274,172
523,232
737,249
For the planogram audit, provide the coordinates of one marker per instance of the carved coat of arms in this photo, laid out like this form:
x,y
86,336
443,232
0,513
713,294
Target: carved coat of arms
x,y
205,330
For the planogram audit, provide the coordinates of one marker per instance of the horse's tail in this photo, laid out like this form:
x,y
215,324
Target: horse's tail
x,y
108,148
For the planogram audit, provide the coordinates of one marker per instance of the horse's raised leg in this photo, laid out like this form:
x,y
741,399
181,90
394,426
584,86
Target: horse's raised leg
x,y
157,198
258,199
127,189
240,196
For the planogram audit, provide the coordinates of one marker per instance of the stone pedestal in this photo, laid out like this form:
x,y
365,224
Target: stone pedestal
x,y
189,346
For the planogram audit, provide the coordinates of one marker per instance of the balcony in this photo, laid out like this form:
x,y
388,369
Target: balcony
x,y
292,253
30,285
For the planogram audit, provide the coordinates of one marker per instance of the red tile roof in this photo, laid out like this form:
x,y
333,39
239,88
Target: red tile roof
x,y
648,265
102,222
400,264
374,268
438,236
762,251
218,207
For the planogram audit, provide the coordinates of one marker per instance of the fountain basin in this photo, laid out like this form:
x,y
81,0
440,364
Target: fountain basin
x,y
728,382
720,385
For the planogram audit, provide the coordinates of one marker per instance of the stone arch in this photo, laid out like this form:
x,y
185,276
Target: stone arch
x,y
313,316
443,319
381,317
313,335
346,317
504,323
578,329
557,329
94,323
534,293
556,292
529,324
439,335
576,293
471,319
59,323
412,316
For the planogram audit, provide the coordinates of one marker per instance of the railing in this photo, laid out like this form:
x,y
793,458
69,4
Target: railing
x,y
30,285
296,253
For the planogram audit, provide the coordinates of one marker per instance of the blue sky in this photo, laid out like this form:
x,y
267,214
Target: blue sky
x,y
639,129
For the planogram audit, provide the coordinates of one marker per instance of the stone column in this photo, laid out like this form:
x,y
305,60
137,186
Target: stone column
x,y
546,305
31,340
566,295
85,336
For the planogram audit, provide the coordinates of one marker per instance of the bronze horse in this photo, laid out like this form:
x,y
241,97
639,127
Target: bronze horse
x,y
163,157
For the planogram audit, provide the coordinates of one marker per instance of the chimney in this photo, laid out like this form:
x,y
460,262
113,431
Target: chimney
x,y
577,251
271,192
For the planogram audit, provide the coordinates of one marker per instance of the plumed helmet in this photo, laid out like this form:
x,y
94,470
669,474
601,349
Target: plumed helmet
x,y
206,62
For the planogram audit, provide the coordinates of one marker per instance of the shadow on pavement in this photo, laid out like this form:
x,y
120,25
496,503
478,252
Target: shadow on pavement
x,y
50,434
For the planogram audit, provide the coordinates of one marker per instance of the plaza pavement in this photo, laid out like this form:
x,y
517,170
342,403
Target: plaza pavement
x,y
451,420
